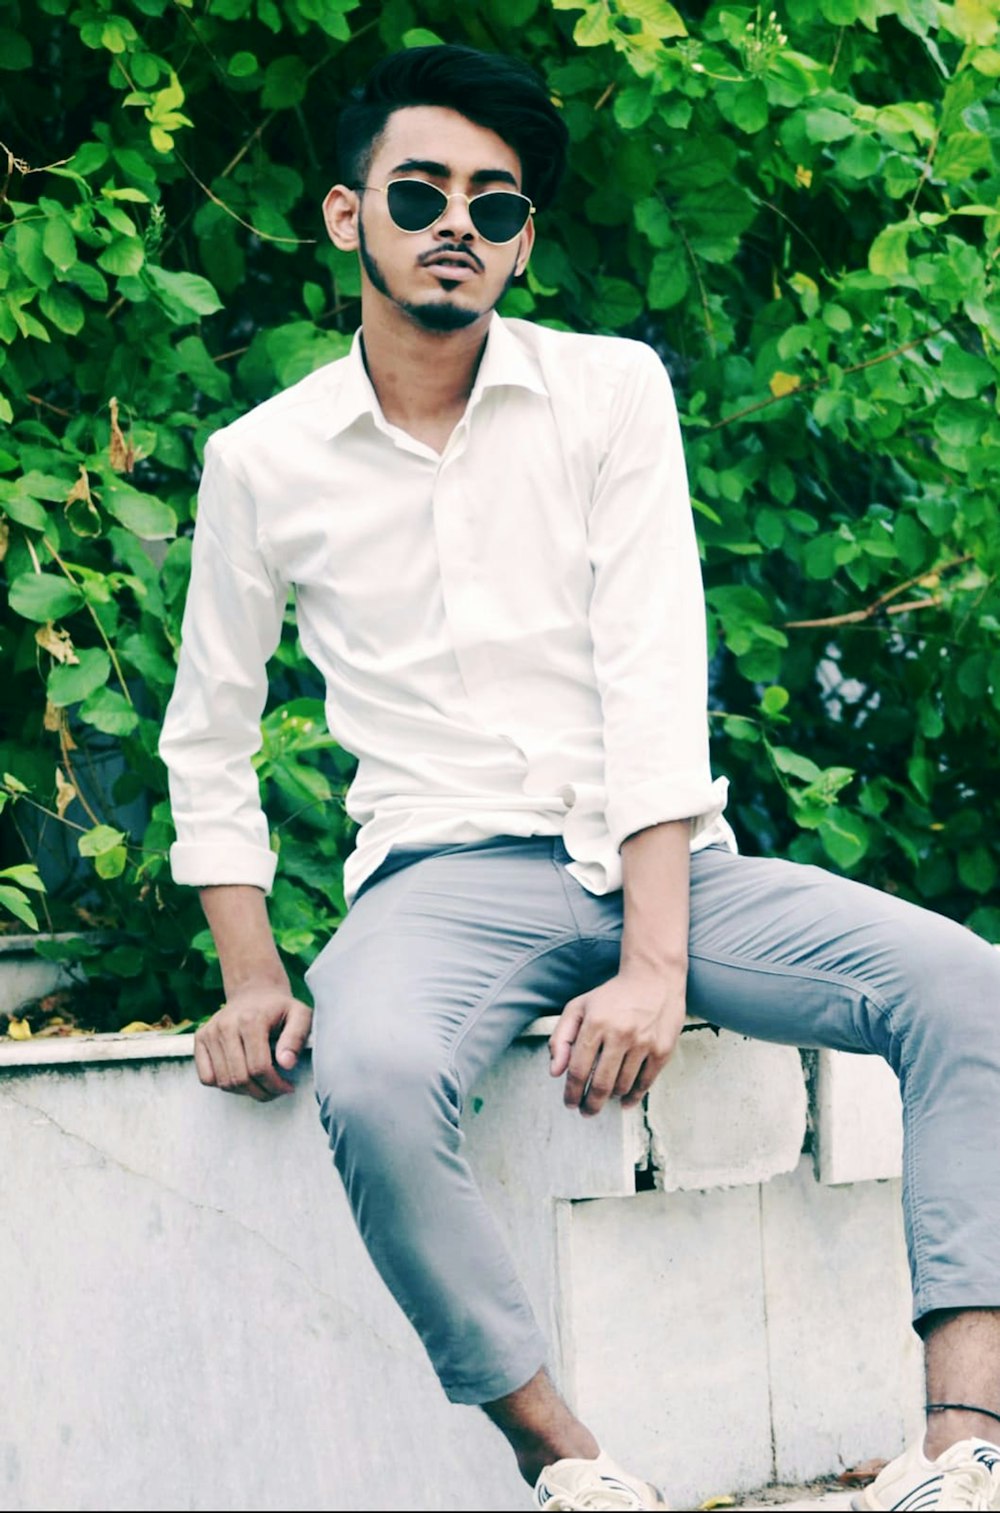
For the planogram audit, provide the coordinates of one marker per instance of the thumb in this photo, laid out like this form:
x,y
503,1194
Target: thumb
x,y
298,1022
563,1036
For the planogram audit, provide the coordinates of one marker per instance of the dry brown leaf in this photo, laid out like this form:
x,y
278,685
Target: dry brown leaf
x,y
65,792
53,717
57,642
861,1474
81,511
121,453
4,538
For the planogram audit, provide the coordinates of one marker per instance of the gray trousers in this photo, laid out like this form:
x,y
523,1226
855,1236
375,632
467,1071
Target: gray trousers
x,y
447,953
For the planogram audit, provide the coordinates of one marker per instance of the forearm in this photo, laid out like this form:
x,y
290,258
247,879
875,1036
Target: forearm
x,y
656,866
248,956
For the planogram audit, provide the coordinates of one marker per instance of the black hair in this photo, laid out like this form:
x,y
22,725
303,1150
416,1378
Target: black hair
x,y
498,92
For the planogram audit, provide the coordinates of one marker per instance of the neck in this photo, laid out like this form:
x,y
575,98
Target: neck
x,y
422,378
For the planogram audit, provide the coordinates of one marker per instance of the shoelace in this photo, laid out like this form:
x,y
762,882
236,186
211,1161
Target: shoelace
x,y
968,1487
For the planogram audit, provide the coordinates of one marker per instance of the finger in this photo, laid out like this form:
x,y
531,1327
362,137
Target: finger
x,y
630,1068
603,1081
203,1062
260,1067
651,1069
563,1037
228,1057
582,1065
298,1023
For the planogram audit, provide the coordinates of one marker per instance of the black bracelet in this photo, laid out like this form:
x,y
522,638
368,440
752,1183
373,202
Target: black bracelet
x,y
960,1408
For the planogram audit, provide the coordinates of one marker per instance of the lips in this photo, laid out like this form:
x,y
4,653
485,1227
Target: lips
x,y
452,261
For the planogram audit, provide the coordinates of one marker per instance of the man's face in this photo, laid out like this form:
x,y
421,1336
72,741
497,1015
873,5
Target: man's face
x,y
448,276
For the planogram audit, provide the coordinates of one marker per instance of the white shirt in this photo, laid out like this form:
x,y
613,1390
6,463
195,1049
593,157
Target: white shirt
x,y
511,632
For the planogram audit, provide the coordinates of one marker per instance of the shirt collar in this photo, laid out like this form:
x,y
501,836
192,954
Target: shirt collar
x,y
506,364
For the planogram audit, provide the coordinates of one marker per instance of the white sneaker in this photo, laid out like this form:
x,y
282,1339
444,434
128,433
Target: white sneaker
x,y
593,1484
966,1475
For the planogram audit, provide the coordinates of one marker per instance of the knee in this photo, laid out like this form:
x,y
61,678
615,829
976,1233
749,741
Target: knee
x,y
952,984
382,1089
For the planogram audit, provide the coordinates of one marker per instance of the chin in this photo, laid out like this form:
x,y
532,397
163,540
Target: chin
x,y
443,315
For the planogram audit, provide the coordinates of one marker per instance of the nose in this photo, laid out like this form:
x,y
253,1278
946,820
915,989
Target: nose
x,y
456,223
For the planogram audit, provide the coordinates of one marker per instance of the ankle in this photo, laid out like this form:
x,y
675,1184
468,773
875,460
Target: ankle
x,y
949,1427
535,1452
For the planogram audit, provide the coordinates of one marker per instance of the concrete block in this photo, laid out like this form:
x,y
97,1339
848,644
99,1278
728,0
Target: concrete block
x,y
845,1363
664,1329
726,1111
24,976
858,1119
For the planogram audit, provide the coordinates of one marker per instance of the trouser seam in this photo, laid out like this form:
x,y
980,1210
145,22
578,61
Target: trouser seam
x,y
477,1010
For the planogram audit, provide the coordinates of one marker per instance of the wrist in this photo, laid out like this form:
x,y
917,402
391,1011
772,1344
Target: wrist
x,y
660,965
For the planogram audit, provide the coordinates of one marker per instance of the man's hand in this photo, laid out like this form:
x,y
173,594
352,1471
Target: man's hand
x,y
233,1050
614,1041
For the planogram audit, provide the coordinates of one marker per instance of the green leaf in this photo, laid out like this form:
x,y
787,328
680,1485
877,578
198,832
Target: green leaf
x,y
775,699
62,308
284,83
185,296
419,36
14,901
109,711
22,508
69,683
43,596
24,875
845,837
111,863
824,125
59,243
888,252
795,765
977,869
669,280
146,517
616,303
242,65
963,154
15,56
99,840
124,257
965,374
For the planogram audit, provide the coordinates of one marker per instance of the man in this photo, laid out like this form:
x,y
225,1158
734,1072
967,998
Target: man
x,y
487,528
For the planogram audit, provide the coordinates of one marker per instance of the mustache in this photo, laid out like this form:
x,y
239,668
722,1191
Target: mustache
x,y
449,251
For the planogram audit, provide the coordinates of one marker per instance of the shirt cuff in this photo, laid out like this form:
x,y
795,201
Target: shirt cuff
x,y
685,796
216,866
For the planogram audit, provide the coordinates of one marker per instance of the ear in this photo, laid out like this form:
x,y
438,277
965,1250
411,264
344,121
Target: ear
x,y
341,209
524,250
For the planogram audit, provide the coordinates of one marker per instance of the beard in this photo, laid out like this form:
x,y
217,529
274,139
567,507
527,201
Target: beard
x,y
439,316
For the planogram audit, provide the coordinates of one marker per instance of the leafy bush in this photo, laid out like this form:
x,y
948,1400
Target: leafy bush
x,y
800,214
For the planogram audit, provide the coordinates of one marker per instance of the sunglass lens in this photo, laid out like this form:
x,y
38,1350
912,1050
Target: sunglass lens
x,y
413,204
499,216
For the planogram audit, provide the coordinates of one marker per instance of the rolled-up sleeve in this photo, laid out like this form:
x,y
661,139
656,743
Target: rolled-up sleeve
x,y
231,626
647,613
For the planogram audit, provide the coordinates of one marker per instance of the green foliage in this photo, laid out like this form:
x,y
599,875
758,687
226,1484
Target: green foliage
x,y
800,212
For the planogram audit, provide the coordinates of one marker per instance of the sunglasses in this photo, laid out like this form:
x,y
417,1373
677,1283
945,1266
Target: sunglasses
x,y
499,215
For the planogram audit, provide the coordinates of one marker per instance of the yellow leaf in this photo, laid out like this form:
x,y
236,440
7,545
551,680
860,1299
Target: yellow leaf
x,y
4,538
19,1029
57,642
121,454
717,1502
783,383
65,793
803,176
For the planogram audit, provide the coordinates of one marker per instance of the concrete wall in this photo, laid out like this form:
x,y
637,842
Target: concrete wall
x,y
189,1320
